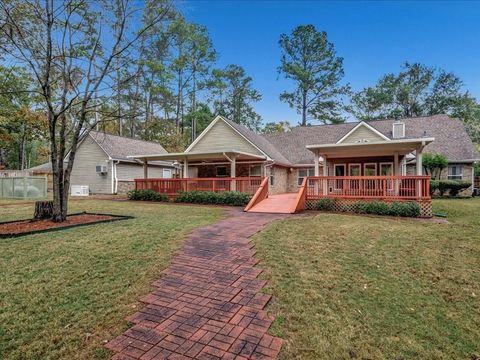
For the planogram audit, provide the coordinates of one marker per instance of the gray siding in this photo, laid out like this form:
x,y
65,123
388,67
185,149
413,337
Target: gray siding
x,y
221,137
362,133
130,172
88,155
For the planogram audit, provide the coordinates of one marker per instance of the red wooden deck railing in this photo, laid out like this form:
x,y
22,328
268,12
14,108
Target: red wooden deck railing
x,y
369,187
260,194
170,187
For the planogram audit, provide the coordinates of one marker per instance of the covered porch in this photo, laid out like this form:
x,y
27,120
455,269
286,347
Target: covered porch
x,y
206,171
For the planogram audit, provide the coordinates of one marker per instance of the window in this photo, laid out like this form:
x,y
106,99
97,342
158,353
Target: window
x,y
221,171
255,170
272,176
302,173
455,172
167,173
370,169
386,169
354,169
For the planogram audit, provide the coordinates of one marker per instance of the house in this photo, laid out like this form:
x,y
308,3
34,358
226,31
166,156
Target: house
x,y
102,162
369,151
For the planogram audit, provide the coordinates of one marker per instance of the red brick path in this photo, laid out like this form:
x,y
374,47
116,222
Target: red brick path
x,y
208,305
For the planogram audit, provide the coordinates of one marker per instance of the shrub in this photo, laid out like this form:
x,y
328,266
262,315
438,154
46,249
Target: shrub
x,y
325,204
372,207
233,198
453,187
146,195
404,209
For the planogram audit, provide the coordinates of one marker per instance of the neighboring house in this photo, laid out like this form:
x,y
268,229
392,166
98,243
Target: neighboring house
x,y
376,148
102,162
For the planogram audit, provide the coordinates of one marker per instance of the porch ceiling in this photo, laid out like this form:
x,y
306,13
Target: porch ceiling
x,y
380,148
200,156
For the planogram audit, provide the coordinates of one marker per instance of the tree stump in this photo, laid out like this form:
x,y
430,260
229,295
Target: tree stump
x,y
43,210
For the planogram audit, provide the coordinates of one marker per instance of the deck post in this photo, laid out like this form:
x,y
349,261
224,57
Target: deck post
x,y
316,172
145,168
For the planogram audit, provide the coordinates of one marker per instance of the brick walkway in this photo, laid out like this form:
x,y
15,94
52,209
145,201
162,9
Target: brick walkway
x,y
208,305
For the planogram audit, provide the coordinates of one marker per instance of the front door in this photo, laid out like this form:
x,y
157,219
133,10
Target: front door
x,y
339,171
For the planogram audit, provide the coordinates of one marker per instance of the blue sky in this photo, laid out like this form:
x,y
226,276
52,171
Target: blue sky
x,y
373,37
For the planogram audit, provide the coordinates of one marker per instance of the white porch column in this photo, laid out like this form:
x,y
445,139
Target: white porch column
x,y
233,173
396,171
325,173
185,168
419,158
317,164
145,168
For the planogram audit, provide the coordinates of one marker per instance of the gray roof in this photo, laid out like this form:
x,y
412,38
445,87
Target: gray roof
x,y
451,138
120,148
259,141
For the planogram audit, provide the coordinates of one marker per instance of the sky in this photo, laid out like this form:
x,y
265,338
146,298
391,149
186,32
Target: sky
x,y
373,37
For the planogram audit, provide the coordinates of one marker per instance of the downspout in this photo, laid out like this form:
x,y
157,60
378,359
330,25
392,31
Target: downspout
x,y
116,178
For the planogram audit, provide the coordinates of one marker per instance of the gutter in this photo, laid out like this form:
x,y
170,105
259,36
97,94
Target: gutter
x,y
114,175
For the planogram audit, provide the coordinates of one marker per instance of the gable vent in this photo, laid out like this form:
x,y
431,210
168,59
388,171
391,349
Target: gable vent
x,y
398,131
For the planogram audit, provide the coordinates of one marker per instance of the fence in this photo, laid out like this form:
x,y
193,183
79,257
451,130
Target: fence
x,y
25,187
15,173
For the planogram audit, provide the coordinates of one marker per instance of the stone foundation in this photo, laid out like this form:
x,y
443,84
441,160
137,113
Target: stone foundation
x,y
125,186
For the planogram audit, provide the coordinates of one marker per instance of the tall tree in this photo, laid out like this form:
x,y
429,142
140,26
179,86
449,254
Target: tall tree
x,y
418,90
61,42
310,60
273,127
232,95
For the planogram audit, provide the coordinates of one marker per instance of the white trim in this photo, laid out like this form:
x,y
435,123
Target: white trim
x,y
393,130
422,141
365,166
307,169
369,127
250,169
455,177
359,165
207,129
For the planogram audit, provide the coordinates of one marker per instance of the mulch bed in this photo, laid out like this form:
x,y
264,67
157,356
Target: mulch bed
x,y
27,227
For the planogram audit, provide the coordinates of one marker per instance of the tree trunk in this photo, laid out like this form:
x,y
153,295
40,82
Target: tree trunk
x,y
304,108
194,108
43,210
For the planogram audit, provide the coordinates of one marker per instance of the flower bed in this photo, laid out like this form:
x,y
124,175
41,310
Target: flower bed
x,y
26,227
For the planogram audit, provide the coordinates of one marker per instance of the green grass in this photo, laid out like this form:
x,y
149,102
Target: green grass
x,y
62,294
353,287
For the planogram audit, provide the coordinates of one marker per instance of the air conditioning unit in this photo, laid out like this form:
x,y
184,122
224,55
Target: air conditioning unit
x,y
79,190
101,169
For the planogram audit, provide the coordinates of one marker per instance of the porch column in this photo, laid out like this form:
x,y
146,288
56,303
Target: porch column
x,y
145,168
419,159
317,164
396,171
325,173
233,174
185,168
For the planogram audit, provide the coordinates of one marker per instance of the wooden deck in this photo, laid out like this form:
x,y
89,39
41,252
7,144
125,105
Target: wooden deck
x,y
276,204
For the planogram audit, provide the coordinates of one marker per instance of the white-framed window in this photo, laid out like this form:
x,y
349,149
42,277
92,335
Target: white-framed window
x,y
167,173
272,176
386,169
455,172
221,171
255,170
354,169
339,169
370,169
302,173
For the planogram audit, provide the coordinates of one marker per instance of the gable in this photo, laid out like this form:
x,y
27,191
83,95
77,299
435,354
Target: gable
x,y
222,137
362,133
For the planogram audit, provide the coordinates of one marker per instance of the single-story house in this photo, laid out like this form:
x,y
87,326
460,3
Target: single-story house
x,y
364,150
102,162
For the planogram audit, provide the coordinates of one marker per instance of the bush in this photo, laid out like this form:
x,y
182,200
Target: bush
x,y
372,207
146,195
404,209
325,204
233,198
453,187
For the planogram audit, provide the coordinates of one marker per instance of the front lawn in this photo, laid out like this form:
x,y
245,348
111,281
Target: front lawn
x,y
353,287
62,294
